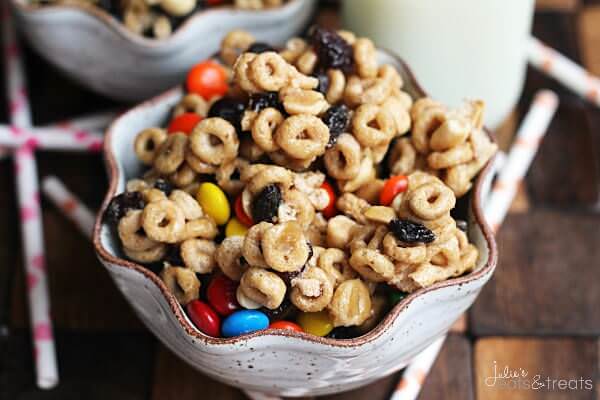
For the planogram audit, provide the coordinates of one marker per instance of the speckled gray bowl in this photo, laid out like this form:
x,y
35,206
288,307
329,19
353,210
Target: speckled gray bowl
x,y
96,49
279,362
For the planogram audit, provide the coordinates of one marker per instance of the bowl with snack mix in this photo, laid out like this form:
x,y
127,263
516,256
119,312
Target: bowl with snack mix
x,y
134,49
300,220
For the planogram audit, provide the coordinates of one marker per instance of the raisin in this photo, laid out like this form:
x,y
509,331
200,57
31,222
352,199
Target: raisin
x,y
120,204
173,256
266,204
260,101
111,7
336,118
230,110
343,333
323,82
286,310
204,282
332,50
311,251
260,47
288,276
163,186
411,232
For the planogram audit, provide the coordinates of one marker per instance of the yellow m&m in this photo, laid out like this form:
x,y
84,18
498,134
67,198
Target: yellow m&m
x,y
317,323
235,228
214,202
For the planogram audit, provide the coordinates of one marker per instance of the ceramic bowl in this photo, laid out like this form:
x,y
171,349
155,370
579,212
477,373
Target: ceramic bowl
x,y
278,362
95,49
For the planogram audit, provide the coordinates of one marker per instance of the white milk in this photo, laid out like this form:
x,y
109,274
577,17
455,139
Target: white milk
x,y
457,49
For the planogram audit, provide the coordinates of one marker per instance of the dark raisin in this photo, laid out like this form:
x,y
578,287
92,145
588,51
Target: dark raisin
x,y
343,333
336,118
288,276
411,232
163,186
260,101
286,310
111,7
260,47
323,82
173,256
229,109
266,204
120,204
311,251
461,224
204,282
332,50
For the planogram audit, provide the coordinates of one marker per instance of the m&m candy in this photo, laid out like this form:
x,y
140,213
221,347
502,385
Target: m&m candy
x,y
235,228
317,323
204,317
208,79
214,202
285,325
330,211
185,123
391,188
221,295
244,321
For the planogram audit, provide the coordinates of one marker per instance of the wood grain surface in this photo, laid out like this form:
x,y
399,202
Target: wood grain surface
x,y
548,369
546,278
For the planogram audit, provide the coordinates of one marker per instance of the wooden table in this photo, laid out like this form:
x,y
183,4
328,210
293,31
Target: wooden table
x,y
540,312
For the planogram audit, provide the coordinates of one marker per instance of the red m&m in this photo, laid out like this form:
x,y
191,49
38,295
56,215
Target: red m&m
x,y
329,211
204,317
185,123
391,188
221,295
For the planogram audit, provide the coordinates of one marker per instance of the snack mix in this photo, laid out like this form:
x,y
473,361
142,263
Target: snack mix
x,y
301,184
160,18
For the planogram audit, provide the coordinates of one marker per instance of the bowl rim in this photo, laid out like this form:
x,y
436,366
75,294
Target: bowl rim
x,y
119,28
382,326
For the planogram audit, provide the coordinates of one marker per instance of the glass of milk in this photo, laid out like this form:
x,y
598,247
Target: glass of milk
x,y
457,49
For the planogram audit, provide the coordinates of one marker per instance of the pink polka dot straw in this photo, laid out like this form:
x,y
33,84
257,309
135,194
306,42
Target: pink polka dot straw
x,y
31,223
70,205
50,138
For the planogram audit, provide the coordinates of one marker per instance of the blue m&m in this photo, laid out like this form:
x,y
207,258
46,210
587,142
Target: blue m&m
x,y
244,321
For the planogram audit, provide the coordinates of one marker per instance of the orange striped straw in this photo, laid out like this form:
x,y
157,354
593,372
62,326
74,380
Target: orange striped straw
x,y
564,70
525,146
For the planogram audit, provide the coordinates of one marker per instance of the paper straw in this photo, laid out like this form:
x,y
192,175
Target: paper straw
x,y
90,122
413,377
515,165
252,395
564,70
527,140
50,138
70,205
31,223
